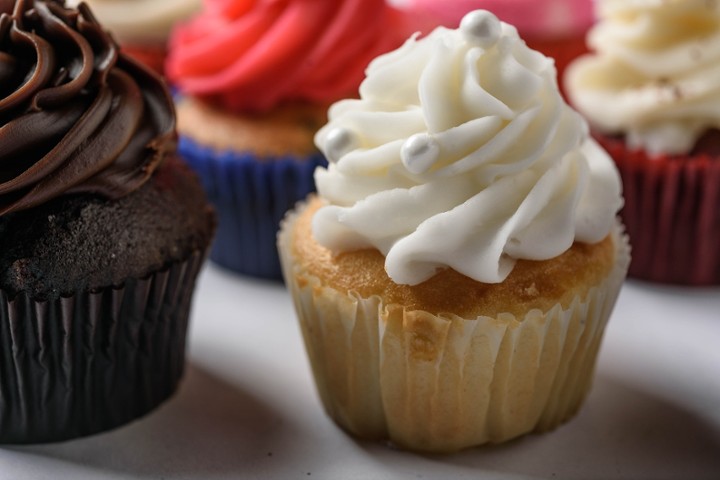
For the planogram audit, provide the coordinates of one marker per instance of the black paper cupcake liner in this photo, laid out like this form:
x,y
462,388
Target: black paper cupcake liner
x,y
95,360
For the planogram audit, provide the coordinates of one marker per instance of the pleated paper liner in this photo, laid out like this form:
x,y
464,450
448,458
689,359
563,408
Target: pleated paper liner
x,y
92,361
251,195
672,214
442,383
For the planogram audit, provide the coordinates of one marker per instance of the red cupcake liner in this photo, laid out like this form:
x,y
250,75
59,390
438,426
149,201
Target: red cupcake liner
x,y
672,214
85,363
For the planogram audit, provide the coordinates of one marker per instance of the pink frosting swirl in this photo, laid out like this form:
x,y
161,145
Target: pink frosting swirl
x,y
253,54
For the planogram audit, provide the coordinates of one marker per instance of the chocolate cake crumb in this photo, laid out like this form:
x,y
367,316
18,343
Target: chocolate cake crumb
x,y
85,242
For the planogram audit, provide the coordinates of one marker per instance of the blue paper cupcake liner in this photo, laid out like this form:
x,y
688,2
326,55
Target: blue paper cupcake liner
x,y
251,195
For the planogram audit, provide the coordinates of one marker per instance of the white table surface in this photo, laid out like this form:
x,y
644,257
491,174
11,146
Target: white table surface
x,y
247,407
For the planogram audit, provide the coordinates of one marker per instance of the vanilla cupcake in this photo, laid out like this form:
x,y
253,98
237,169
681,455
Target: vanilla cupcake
x,y
454,275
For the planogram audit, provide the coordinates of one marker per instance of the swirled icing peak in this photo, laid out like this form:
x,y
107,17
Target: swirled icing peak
x,y
461,153
253,54
655,76
75,116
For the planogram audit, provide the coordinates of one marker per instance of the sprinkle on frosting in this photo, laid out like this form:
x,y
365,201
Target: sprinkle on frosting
x,y
461,153
482,29
75,115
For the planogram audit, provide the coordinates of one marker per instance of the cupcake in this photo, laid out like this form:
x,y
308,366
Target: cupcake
x,y
651,97
102,229
556,28
255,80
142,27
454,274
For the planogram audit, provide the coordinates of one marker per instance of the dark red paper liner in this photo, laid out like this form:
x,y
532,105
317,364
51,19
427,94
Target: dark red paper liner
x,y
90,362
672,214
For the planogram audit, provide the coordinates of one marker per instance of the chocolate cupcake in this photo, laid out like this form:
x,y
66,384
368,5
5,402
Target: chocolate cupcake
x,y
102,229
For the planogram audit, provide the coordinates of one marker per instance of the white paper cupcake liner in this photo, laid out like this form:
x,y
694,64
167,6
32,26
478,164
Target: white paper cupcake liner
x,y
440,382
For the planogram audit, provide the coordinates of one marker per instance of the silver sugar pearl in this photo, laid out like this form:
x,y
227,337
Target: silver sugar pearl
x,y
481,28
419,153
338,142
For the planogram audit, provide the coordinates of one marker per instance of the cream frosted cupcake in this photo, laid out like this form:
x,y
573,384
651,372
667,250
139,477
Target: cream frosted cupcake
x,y
455,273
651,95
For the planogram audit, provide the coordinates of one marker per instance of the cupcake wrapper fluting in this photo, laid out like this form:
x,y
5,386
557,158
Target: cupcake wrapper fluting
x,y
92,361
442,383
251,195
672,214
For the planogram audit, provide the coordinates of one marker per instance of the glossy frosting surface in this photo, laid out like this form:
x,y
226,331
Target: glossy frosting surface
x,y
461,153
254,54
75,115
655,76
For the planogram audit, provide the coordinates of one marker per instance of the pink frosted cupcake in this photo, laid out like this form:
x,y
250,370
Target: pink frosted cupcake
x,y
255,80
651,94
554,27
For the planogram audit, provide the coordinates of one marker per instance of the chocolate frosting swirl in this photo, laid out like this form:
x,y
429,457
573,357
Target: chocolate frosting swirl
x,y
76,116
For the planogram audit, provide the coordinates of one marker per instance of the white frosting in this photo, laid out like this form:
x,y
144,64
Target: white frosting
x,y
656,74
141,20
461,153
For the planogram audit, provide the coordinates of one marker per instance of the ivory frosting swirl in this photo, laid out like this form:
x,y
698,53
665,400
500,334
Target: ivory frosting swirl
x,y
655,76
253,54
461,153
137,21
75,116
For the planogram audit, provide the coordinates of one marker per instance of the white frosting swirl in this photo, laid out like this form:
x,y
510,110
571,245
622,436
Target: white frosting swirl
x,y
461,153
142,21
656,75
